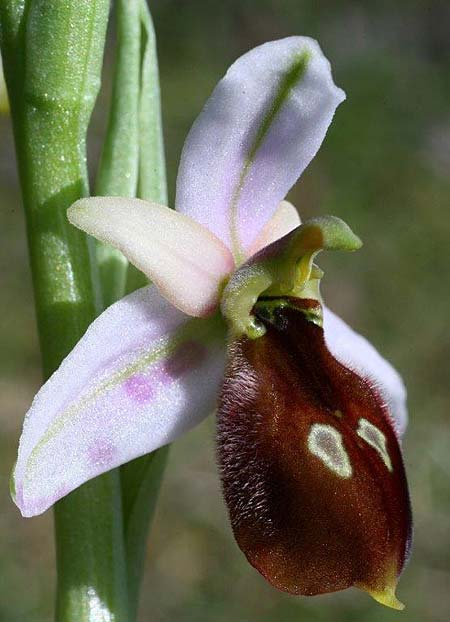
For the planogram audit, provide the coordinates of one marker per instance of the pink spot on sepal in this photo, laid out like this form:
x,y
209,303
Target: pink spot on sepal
x,y
102,452
140,388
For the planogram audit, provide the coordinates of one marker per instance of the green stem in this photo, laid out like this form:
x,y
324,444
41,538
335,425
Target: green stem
x,y
152,184
133,164
141,478
152,164
118,170
52,55
141,481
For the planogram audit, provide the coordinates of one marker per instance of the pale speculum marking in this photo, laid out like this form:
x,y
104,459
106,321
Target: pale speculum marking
x,y
376,439
326,443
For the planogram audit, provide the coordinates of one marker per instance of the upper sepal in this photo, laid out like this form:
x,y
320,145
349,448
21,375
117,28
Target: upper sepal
x,y
259,130
311,467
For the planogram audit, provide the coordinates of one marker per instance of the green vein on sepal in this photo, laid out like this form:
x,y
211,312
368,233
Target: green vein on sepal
x,y
288,82
292,77
12,482
204,331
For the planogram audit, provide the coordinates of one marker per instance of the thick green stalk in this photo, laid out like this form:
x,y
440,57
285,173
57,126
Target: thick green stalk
x,y
52,55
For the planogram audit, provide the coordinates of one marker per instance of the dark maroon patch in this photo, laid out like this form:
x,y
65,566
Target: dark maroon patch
x,y
307,527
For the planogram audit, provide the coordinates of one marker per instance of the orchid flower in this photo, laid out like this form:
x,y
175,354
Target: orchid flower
x,y
309,414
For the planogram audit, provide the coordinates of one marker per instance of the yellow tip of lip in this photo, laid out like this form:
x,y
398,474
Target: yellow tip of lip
x,y
388,598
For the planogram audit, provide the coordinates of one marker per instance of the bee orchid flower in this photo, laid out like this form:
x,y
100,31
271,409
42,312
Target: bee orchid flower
x,y
309,414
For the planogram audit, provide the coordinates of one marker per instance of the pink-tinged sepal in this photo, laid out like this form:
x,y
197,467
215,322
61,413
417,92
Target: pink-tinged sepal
x,y
311,467
259,130
142,375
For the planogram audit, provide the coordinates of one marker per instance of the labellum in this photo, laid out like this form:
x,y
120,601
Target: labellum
x,y
311,466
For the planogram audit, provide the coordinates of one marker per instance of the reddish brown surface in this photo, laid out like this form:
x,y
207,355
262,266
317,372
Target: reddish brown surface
x,y
305,528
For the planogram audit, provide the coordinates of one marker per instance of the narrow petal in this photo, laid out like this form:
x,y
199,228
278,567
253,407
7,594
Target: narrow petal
x,y
184,260
354,351
285,219
259,130
312,470
143,374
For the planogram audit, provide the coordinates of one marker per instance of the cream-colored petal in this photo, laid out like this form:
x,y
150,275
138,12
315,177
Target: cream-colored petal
x,y
184,260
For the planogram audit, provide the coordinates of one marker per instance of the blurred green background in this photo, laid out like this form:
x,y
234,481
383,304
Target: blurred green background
x,y
384,168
